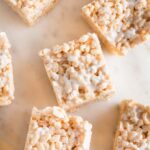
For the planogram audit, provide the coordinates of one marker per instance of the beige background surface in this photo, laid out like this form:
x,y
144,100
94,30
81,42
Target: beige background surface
x,y
130,74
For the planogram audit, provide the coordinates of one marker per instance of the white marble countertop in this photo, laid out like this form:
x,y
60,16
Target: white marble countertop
x,y
130,74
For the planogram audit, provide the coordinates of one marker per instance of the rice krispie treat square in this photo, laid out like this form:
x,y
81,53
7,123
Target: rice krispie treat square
x,y
120,24
52,129
6,72
133,131
31,10
77,72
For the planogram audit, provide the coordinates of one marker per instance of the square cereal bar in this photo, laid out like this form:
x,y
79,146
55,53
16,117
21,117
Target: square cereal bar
x,y
133,131
6,73
31,10
52,129
77,72
120,24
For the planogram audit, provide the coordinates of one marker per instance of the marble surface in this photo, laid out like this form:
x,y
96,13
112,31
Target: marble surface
x,y
130,74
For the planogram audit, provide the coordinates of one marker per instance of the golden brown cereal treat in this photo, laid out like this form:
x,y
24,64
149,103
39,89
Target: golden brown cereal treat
x,y
52,129
31,10
6,73
77,72
120,24
133,132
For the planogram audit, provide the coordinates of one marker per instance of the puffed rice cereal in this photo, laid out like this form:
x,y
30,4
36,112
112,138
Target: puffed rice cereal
x,y
133,132
120,24
31,10
6,72
52,129
77,71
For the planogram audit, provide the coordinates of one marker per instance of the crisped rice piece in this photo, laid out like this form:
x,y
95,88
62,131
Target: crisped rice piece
x,y
77,71
6,72
52,129
31,10
120,24
133,132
